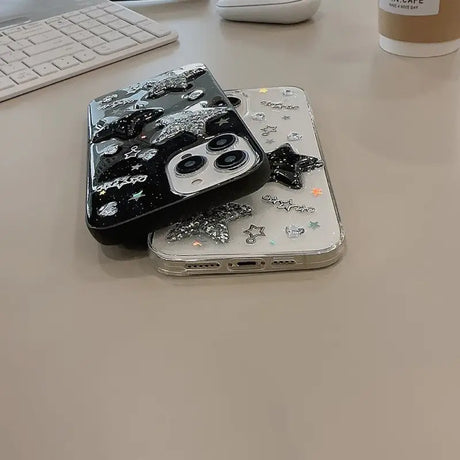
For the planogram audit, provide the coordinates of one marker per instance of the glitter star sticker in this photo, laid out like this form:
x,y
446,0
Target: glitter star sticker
x,y
137,196
287,166
188,121
314,225
212,223
263,90
316,192
177,80
128,126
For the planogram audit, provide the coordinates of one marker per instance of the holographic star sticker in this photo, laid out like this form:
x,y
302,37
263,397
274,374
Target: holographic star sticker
x,y
316,192
137,196
188,121
212,223
287,166
314,225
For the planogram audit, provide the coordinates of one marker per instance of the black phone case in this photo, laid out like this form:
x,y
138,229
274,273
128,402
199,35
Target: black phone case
x,y
133,134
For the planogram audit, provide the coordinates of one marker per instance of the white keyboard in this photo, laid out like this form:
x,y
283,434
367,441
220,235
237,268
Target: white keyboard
x,y
40,53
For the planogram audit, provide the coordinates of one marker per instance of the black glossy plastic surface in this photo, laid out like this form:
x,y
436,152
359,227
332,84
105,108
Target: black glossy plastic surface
x,y
134,132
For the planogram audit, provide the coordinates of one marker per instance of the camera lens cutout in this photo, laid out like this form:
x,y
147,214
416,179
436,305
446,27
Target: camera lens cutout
x,y
235,101
224,141
190,164
231,160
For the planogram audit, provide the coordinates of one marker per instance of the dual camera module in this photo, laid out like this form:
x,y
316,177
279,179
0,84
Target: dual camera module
x,y
228,160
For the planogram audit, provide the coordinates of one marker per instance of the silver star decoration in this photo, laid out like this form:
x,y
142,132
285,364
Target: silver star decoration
x,y
109,98
110,149
175,80
136,196
133,88
254,231
188,121
286,205
258,116
194,95
293,231
212,223
133,152
148,154
294,136
116,103
136,167
268,129
223,121
169,81
109,209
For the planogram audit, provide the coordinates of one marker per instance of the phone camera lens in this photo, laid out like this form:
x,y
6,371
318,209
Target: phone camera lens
x,y
221,142
190,165
231,160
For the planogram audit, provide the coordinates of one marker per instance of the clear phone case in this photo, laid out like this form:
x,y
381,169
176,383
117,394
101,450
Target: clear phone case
x,y
291,223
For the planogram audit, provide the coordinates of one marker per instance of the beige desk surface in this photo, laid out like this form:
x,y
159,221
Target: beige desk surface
x,y
101,359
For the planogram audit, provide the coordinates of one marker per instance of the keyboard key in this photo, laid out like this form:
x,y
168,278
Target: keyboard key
x,y
65,62
89,24
73,29
45,69
20,35
130,30
113,47
101,30
78,18
107,18
49,45
45,37
23,76
70,14
5,83
50,56
4,49
119,24
154,28
13,56
93,42
12,68
87,9
19,45
13,30
4,40
111,36
130,16
143,37
59,23
83,35
96,13
113,8
85,56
